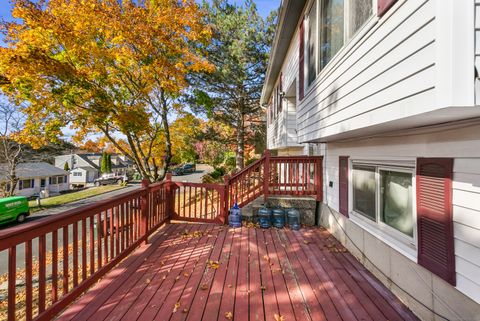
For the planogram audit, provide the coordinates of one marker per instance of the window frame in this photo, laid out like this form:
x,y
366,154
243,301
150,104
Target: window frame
x,y
395,238
21,186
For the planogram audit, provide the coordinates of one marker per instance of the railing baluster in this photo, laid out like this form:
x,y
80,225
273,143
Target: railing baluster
x,y
91,245
112,243
117,230
122,228
12,280
42,264
84,249
99,240
28,280
105,237
65,260
54,293
75,254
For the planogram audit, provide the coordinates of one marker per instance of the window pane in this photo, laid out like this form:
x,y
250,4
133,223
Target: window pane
x,y
397,201
332,29
364,189
312,44
360,11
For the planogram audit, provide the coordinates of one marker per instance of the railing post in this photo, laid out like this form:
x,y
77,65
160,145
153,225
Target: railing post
x,y
319,178
226,202
169,197
266,175
144,207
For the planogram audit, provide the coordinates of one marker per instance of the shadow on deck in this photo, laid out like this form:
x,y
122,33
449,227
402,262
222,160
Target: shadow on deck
x,y
210,272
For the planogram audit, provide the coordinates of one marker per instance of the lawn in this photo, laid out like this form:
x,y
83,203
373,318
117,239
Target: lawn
x,y
71,197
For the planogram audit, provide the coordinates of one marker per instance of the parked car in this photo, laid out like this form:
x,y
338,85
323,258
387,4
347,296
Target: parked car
x,y
184,169
14,209
109,179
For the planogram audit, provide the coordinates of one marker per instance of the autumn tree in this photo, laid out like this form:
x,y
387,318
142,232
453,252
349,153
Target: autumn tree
x,y
11,152
239,50
106,67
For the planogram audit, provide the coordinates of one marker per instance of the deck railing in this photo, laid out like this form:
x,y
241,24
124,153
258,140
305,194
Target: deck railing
x,y
52,261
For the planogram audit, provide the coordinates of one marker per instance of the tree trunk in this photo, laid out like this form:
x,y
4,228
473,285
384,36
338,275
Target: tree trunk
x,y
240,155
168,141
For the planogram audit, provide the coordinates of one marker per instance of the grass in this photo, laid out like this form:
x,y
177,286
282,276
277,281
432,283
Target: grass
x,y
71,197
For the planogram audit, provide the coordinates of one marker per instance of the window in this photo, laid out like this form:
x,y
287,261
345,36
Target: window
x,y
26,183
364,190
384,195
396,201
78,174
312,44
359,12
331,30
42,182
329,25
60,180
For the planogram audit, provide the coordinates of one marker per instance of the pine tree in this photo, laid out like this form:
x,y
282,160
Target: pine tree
x,y
66,167
109,163
103,163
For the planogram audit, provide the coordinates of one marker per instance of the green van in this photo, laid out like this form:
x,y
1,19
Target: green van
x,y
13,209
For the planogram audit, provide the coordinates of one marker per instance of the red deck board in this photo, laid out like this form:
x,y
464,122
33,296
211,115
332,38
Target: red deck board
x,y
207,301
123,298
194,284
157,301
270,302
283,297
150,282
260,273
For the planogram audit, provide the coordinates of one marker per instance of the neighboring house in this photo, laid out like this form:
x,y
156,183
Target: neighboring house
x,y
85,168
38,179
388,93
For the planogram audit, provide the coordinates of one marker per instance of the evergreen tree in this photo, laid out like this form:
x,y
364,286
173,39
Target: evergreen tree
x,y
109,163
103,163
66,167
239,50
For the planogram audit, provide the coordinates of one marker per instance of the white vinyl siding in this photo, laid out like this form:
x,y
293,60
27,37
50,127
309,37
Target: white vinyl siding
x,y
477,50
461,144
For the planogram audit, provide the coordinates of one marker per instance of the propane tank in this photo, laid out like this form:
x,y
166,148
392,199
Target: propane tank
x,y
235,217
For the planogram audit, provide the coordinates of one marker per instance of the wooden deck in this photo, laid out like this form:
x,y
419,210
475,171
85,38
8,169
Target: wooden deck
x,y
210,272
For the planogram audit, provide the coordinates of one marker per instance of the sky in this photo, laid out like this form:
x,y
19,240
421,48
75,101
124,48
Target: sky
x,y
264,7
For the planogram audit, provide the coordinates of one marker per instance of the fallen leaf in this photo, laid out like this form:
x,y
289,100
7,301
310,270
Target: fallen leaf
x,y
176,307
185,310
213,264
186,274
266,258
148,281
306,242
229,315
204,286
177,278
279,317
263,288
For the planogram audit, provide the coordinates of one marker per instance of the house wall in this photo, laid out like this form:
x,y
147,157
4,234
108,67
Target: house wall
x,y
282,133
414,64
49,189
422,290
477,51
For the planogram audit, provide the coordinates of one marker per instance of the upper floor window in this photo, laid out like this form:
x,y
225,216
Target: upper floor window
x,y
312,44
329,24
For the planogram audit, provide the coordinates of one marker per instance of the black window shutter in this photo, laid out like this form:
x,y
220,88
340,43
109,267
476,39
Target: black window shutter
x,y
343,185
301,61
20,185
384,6
434,217
33,183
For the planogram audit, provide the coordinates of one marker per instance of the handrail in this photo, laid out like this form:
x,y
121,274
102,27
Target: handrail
x,y
48,224
259,161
